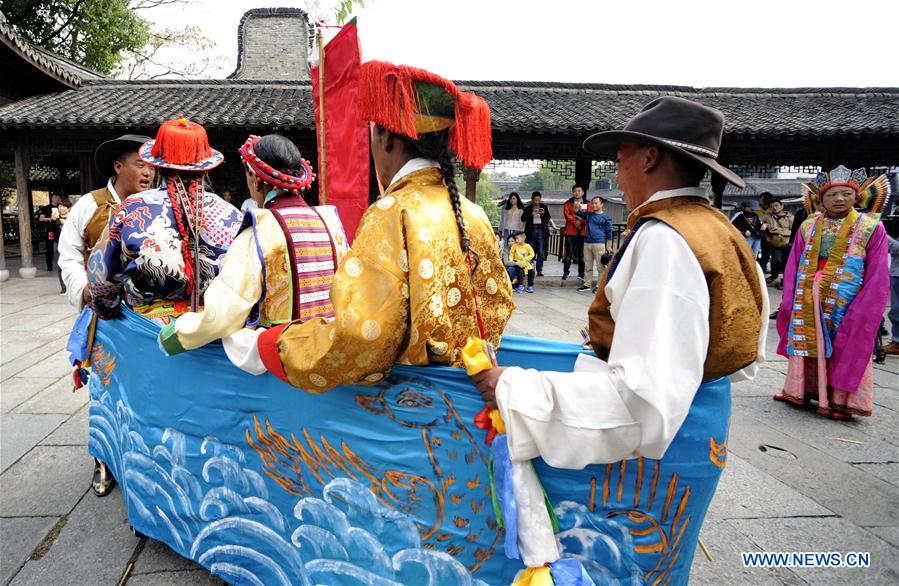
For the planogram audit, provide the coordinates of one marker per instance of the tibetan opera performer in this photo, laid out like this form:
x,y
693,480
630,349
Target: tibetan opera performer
x,y
424,272
836,286
279,268
681,308
161,248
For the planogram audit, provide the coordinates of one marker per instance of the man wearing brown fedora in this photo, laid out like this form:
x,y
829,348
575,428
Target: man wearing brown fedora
x,y
127,174
681,308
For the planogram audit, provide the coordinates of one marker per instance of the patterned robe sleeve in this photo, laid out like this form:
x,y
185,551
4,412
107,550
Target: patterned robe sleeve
x,y
370,295
105,267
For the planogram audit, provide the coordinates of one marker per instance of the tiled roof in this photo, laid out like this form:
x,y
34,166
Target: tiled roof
x,y
65,71
517,107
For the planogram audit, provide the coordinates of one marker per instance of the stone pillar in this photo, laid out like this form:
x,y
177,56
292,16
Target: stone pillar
x,y
583,172
471,183
27,270
4,274
718,185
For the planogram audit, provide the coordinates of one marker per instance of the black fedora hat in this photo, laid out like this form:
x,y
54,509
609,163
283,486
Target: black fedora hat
x,y
676,124
107,152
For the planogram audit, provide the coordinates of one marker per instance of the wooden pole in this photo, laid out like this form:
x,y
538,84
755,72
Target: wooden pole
x,y
4,274
471,183
322,189
27,270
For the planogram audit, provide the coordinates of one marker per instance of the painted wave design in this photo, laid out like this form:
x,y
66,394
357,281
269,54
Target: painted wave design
x,y
213,509
602,545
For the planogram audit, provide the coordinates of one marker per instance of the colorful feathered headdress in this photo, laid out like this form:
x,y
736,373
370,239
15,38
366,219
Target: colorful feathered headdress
x,y
410,101
872,195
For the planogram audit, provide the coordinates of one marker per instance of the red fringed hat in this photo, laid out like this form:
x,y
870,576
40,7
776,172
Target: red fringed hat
x,y
411,101
181,145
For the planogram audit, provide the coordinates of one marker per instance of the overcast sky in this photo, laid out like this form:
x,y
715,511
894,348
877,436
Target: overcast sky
x,y
702,43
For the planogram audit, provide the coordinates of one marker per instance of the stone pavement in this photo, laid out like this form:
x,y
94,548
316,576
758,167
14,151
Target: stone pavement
x,y
794,481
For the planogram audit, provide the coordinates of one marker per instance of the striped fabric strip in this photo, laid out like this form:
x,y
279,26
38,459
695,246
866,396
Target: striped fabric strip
x,y
314,270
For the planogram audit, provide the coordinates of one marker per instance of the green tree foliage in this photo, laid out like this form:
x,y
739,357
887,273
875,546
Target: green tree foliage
x,y
93,33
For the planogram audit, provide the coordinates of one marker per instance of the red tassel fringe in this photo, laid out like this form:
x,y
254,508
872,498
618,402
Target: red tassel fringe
x,y
388,97
181,142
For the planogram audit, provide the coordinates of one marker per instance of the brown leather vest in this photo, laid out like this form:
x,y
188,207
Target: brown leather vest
x,y
735,295
106,203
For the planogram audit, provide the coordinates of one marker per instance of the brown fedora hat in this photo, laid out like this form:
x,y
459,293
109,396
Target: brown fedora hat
x,y
685,127
109,151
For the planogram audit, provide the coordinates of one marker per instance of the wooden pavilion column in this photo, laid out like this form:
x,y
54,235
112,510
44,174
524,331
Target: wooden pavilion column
x,y
85,172
718,185
583,172
23,192
4,274
471,183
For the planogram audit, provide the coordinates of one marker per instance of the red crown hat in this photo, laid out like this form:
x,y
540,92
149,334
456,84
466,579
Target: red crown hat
x,y
410,101
181,145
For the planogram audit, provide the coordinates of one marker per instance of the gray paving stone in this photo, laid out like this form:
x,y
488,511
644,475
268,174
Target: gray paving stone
x,y
183,578
49,480
886,377
16,390
71,433
55,365
852,493
57,398
725,543
21,432
888,534
851,442
888,471
93,548
825,535
14,349
766,383
158,557
14,323
20,536
746,492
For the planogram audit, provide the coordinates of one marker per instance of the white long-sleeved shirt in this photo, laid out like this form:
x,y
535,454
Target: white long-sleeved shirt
x,y
71,245
635,404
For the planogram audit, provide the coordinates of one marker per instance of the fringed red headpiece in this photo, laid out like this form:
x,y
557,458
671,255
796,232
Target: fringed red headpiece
x,y
181,142
389,97
281,179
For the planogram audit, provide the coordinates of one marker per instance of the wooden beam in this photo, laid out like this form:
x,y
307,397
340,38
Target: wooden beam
x,y
4,274
583,172
23,193
471,183
718,185
85,171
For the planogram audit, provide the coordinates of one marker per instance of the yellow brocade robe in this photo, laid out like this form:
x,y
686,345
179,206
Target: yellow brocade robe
x,y
402,294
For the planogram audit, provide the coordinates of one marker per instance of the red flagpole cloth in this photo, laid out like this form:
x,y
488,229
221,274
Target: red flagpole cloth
x,y
346,173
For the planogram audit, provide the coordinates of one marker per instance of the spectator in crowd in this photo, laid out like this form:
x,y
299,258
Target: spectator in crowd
x,y
892,226
48,216
62,215
749,225
598,239
537,222
764,208
522,254
511,268
248,204
776,230
573,233
510,219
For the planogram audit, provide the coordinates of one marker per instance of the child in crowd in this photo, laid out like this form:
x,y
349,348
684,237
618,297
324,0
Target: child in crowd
x,y
598,242
521,254
510,265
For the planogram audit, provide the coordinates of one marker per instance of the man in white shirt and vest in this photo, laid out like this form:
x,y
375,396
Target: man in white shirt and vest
x,y
681,308
118,160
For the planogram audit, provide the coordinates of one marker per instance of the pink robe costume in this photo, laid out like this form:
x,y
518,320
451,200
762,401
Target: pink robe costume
x,y
842,381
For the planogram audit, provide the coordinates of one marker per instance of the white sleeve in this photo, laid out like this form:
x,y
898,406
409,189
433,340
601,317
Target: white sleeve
x,y
71,248
635,404
242,351
752,370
